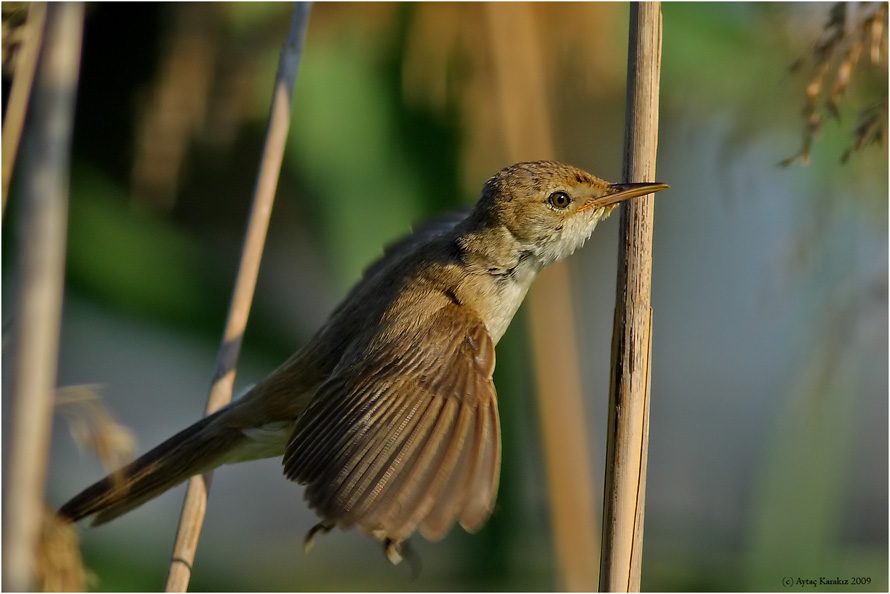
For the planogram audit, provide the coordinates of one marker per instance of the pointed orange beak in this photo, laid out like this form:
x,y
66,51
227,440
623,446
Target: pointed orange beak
x,y
621,192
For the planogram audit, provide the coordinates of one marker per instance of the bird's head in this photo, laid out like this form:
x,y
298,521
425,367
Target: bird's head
x,y
551,208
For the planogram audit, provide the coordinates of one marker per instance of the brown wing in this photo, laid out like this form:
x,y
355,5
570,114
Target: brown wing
x,y
412,440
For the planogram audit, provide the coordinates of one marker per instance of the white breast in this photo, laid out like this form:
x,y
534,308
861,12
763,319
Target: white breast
x,y
503,296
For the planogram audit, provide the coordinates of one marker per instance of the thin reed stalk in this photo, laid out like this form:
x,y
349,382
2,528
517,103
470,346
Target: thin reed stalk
x,y
20,93
195,504
45,170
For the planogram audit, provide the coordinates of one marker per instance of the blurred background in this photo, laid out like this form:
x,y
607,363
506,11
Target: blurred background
x,y
768,441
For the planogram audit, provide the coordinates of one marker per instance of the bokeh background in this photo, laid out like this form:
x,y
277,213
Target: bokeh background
x,y
768,447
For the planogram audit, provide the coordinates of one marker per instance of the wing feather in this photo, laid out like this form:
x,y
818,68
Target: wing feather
x,y
411,440
419,476
389,470
436,492
468,440
484,483
337,407
388,433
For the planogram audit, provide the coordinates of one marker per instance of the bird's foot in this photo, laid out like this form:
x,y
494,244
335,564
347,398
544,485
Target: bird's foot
x,y
396,550
309,541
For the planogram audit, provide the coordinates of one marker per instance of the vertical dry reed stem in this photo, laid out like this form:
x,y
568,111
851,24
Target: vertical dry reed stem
x,y
195,504
45,169
19,93
628,439
520,87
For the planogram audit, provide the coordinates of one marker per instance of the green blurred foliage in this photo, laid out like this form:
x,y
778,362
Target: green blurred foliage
x,y
132,258
362,188
366,182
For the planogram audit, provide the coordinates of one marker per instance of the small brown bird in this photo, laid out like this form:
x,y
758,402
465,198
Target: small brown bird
x,y
388,414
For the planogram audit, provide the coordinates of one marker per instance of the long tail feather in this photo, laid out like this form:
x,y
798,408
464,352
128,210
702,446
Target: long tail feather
x,y
199,448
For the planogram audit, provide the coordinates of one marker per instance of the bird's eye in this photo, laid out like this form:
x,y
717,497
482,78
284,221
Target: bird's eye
x,y
559,200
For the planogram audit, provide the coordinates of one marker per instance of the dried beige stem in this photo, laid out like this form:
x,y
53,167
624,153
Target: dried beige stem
x,y
19,93
45,170
192,517
628,439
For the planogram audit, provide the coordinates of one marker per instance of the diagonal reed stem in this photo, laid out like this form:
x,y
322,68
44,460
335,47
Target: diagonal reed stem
x,y
195,504
628,439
